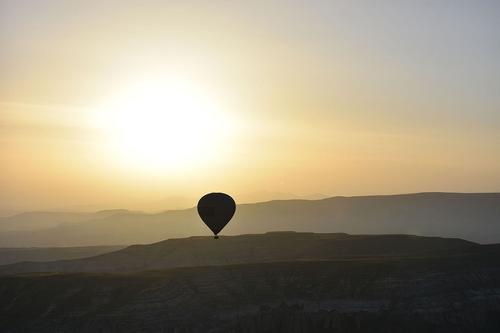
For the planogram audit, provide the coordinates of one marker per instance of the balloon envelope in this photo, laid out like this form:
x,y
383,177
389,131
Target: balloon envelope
x,y
216,210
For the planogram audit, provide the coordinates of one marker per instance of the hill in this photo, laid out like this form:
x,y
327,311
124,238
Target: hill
x,y
13,255
473,216
269,247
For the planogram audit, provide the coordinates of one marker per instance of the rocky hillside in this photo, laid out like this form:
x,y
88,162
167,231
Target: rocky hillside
x,y
440,294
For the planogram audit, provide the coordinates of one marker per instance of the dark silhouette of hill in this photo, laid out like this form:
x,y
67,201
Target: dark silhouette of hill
x,y
433,294
269,247
13,255
472,216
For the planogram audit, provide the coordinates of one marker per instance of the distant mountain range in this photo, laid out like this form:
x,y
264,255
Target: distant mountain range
x,y
474,216
30,221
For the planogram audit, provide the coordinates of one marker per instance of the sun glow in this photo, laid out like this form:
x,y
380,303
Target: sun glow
x,y
168,125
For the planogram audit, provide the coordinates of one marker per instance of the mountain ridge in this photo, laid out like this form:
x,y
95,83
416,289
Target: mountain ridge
x,y
472,216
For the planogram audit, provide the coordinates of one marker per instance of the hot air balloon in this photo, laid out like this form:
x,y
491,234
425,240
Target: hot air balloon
x,y
216,210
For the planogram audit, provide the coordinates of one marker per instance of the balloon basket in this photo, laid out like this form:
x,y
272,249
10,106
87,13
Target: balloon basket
x,y
216,237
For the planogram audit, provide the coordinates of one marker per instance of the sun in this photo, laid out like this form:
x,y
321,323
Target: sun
x,y
170,125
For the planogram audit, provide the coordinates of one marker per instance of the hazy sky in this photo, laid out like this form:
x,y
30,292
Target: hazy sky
x,y
334,97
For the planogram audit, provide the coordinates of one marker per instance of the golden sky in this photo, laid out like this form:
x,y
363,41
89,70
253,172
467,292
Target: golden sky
x,y
125,103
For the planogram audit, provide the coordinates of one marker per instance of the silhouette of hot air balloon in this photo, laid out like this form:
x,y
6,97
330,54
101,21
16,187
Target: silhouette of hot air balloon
x,y
216,210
